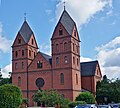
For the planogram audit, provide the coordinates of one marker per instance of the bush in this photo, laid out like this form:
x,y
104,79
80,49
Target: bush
x,y
50,98
87,97
10,96
73,104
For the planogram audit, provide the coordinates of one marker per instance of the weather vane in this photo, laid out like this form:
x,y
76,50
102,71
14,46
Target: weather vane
x,y
64,4
25,16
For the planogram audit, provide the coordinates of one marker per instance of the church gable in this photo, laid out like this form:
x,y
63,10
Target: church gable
x,y
98,71
18,40
59,31
65,25
75,33
32,41
40,63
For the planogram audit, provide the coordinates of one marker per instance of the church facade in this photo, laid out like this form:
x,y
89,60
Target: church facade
x,y
33,70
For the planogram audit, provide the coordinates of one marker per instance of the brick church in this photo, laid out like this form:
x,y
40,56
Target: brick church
x,y
33,70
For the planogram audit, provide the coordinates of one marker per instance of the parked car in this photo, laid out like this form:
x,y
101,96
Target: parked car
x,y
104,106
86,106
115,105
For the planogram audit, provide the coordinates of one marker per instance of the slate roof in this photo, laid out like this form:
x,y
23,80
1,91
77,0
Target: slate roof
x,y
67,22
47,57
26,31
88,68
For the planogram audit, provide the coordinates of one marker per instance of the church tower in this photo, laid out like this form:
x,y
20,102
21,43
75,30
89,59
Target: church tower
x,y
66,57
24,50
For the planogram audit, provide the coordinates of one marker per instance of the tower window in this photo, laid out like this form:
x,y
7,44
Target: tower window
x,y
22,52
29,53
75,33
65,59
19,81
73,47
39,64
16,66
22,65
34,54
60,32
19,41
77,49
65,46
32,41
61,78
77,61
57,47
73,60
76,79
16,53
57,60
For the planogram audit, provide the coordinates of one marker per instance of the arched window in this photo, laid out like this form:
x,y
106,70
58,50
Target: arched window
x,y
65,59
57,60
34,54
22,52
57,47
30,53
76,79
16,53
19,81
73,60
16,66
22,65
75,33
39,64
77,48
32,41
61,78
77,62
19,41
65,46
60,32
73,47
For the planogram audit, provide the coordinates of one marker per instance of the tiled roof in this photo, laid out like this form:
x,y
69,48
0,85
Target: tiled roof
x,y
67,22
88,68
26,31
47,57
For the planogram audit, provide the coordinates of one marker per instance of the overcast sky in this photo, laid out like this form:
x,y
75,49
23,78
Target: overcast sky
x,y
98,23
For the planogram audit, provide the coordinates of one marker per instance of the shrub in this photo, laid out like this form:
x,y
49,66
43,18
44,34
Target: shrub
x,y
87,97
10,96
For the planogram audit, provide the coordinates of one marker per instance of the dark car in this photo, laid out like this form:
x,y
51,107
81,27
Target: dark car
x,y
86,106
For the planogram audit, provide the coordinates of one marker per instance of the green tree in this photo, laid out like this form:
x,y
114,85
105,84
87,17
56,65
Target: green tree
x,y
50,98
108,91
10,96
87,97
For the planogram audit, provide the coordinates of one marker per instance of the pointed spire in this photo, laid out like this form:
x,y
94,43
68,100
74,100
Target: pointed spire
x,y
67,22
26,31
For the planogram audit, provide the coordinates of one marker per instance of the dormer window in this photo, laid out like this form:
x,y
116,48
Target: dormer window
x,y
19,41
60,32
39,64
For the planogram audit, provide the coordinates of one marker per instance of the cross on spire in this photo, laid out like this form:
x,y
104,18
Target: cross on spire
x,y
64,4
25,16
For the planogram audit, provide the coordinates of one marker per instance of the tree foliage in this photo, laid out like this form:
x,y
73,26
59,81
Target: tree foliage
x,y
50,98
87,97
10,96
108,91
